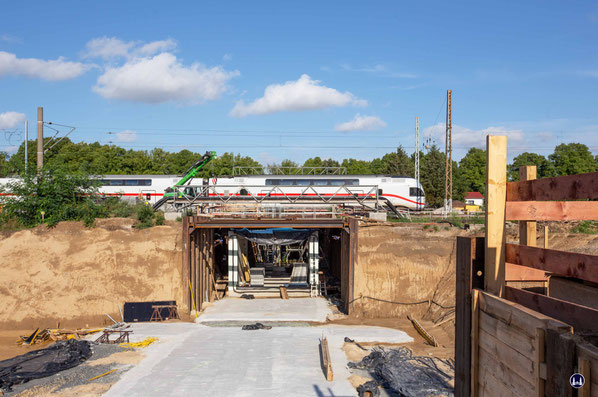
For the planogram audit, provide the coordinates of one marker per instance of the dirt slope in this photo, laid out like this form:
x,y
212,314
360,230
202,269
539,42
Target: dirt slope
x,y
75,275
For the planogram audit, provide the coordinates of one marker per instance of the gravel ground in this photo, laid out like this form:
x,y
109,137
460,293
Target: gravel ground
x,y
80,374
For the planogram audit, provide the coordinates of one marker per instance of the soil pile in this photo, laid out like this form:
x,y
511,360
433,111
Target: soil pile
x,y
75,274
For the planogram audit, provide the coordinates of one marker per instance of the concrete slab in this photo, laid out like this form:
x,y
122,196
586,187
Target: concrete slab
x,y
194,359
299,309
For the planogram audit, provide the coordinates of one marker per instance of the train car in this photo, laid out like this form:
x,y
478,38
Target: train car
x,y
402,192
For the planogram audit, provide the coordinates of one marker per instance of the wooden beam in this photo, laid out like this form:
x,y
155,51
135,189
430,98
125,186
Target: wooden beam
x,y
470,261
186,264
326,362
560,353
540,361
545,236
518,316
475,344
465,247
552,210
581,318
496,185
527,229
570,187
563,263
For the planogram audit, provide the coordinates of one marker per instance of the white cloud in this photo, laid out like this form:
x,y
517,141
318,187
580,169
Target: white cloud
x,y
227,57
54,69
361,123
10,38
126,136
303,94
380,70
11,149
472,138
11,119
109,48
163,78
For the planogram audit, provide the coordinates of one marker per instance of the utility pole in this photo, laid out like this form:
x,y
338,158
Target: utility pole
x,y
448,154
26,142
40,138
417,156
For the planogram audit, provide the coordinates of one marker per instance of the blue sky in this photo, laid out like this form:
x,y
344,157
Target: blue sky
x,y
279,80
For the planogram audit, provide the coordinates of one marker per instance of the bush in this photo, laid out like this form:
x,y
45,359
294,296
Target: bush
x,y
159,216
117,207
61,196
145,215
179,219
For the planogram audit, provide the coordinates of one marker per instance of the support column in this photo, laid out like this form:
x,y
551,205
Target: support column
x,y
233,261
314,258
40,138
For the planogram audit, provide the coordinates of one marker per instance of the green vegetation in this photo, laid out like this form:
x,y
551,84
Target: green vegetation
x,y
586,227
468,175
58,195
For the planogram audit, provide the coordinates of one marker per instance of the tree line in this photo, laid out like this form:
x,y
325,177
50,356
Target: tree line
x,y
469,174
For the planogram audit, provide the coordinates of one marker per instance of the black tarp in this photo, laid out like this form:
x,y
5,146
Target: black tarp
x,y
410,376
276,236
142,311
44,362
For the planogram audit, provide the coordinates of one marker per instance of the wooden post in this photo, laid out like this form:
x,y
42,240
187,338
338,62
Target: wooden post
x,y
527,229
546,237
539,361
475,315
185,256
496,195
465,248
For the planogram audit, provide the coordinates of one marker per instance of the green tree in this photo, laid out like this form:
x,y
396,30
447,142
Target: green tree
x,y
572,158
59,194
4,165
432,176
357,167
544,168
472,172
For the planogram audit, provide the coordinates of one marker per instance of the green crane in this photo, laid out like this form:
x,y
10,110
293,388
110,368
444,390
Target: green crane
x,y
191,173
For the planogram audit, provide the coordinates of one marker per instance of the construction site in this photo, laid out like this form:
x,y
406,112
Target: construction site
x,y
306,299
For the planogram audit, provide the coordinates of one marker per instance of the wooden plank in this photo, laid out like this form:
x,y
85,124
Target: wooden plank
x,y
465,248
353,246
475,310
560,352
496,185
326,362
545,236
573,291
581,318
589,353
283,293
517,315
563,263
510,336
570,187
584,368
539,361
552,210
489,385
502,372
515,272
518,363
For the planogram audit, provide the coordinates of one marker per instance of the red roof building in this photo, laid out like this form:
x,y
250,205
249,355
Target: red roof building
x,y
473,196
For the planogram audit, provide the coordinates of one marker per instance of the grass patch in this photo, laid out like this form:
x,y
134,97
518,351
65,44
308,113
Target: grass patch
x,y
586,227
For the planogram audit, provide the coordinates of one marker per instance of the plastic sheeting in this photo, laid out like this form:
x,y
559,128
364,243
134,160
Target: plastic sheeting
x,y
409,375
278,236
44,362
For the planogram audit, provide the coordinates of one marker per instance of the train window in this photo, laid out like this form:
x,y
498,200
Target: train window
x,y
286,182
320,182
145,182
415,192
272,182
115,182
131,182
338,182
303,182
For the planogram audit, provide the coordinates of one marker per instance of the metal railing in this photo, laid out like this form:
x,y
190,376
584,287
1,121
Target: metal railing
x,y
280,170
194,195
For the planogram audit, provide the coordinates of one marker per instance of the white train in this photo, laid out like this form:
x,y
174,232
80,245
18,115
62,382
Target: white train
x,y
401,192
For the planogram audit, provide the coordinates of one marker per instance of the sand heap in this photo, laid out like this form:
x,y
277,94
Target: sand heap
x,y
75,275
